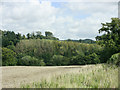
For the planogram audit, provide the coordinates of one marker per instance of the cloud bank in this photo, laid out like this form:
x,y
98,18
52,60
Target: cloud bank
x,y
72,20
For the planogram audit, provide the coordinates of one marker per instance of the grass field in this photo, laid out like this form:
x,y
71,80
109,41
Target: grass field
x,y
88,76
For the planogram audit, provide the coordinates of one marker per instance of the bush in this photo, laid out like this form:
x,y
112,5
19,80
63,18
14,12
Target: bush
x,y
115,59
78,60
8,57
12,47
42,63
59,60
19,56
94,58
82,59
31,61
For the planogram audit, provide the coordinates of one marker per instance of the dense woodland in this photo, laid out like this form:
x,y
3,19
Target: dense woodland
x,y
35,49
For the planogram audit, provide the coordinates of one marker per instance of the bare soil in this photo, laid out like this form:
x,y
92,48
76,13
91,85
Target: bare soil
x,y
15,76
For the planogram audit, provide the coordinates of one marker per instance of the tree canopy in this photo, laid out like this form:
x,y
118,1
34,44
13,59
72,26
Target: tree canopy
x,y
110,40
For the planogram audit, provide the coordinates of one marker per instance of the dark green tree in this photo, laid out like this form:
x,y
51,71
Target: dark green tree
x,y
18,36
28,36
110,40
23,37
8,37
8,57
33,35
47,33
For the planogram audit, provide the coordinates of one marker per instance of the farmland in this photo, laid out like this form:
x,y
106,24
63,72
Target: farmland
x,y
37,60
90,76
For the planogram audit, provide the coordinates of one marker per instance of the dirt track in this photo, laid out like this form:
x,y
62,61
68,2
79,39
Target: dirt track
x,y
14,76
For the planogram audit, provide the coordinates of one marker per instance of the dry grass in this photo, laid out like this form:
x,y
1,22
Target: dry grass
x,y
99,77
14,76
90,76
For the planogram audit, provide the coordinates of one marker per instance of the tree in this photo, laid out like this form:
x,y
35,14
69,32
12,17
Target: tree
x,y
28,36
115,59
93,58
57,60
48,34
18,36
110,40
32,35
8,37
8,57
38,33
23,37
31,61
78,60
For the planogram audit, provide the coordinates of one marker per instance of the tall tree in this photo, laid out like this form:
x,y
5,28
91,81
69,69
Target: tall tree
x,y
38,34
32,35
111,37
8,57
18,36
28,36
23,37
47,33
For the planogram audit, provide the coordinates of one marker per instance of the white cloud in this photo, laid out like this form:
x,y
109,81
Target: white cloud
x,y
28,16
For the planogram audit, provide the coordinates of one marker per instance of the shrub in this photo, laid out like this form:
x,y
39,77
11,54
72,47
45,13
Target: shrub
x,y
82,59
78,60
19,56
115,59
31,61
42,63
59,60
94,58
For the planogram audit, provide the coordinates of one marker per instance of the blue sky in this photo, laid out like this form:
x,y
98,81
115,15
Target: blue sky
x,y
74,20
58,4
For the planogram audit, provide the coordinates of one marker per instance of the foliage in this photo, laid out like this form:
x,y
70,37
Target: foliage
x,y
58,60
78,60
42,63
19,56
12,47
47,50
93,58
110,40
82,59
50,50
11,38
89,41
8,38
115,59
8,57
31,61
48,34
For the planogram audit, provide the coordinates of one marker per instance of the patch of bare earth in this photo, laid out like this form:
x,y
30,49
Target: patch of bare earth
x,y
15,76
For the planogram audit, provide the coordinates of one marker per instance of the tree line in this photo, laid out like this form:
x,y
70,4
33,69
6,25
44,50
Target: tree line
x,y
37,50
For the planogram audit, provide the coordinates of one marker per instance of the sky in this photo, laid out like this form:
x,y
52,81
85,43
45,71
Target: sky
x,y
66,19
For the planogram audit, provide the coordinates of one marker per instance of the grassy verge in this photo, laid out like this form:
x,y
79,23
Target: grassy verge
x,y
102,76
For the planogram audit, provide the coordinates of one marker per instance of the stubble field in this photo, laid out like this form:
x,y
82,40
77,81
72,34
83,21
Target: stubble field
x,y
59,76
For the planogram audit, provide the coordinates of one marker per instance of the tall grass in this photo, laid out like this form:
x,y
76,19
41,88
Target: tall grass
x,y
102,76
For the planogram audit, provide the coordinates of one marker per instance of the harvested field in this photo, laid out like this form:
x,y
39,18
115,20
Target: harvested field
x,y
14,76
17,76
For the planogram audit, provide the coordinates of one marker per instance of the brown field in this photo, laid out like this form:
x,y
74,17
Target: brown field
x,y
14,76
